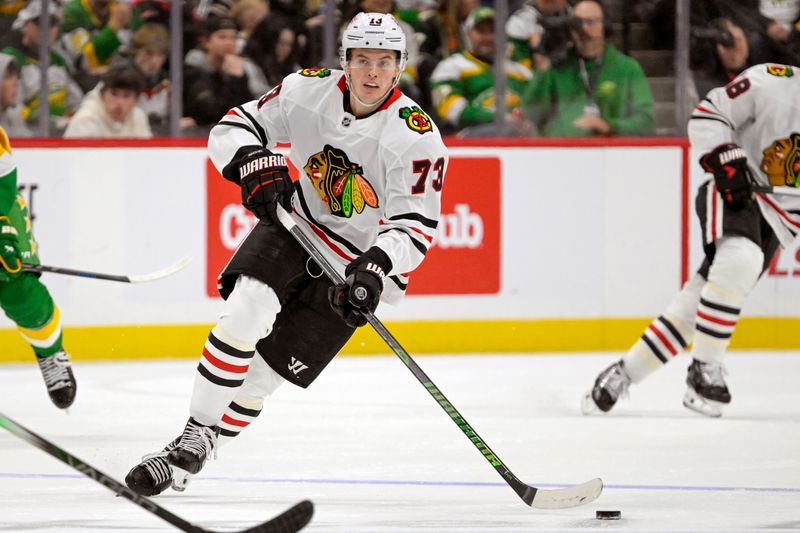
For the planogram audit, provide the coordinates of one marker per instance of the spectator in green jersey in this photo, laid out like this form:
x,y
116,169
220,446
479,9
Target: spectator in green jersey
x,y
463,84
64,95
94,30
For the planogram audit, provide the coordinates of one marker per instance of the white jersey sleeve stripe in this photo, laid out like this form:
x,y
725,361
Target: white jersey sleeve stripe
x,y
418,217
237,125
418,224
398,282
262,134
702,112
427,237
421,248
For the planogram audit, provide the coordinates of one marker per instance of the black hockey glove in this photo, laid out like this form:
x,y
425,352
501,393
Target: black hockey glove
x,y
264,178
10,263
728,163
361,290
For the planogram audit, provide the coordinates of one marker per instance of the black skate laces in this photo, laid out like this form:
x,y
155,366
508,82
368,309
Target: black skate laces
x,y
55,370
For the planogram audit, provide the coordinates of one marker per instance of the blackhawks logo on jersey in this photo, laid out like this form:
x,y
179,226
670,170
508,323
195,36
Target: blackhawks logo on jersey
x,y
781,71
316,72
416,119
781,162
340,182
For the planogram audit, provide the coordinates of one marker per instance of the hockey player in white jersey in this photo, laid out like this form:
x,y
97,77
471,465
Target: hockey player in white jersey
x,y
372,167
749,133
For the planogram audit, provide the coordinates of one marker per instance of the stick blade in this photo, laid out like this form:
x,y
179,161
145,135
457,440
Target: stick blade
x,y
163,273
568,497
290,521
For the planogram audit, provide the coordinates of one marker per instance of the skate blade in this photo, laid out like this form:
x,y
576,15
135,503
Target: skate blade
x,y
588,407
180,478
698,404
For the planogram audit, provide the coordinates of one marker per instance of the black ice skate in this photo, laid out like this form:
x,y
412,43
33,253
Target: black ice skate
x,y
707,392
58,378
196,446
612,383
153,475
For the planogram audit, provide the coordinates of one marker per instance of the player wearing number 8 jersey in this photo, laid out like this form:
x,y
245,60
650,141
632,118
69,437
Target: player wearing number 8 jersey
x,y
372,167
748,133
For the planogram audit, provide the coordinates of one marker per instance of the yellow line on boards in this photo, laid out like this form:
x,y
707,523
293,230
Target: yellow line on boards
x,y
417,337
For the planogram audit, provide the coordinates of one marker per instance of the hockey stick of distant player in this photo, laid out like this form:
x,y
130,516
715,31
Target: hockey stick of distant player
x,y
152,276
293,519
537,498
783,191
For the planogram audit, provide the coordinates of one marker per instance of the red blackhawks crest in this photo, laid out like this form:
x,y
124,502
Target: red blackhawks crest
x,y
340,183
316,72
416,119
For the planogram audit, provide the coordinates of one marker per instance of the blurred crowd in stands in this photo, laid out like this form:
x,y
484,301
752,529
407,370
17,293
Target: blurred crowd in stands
x,y
109,75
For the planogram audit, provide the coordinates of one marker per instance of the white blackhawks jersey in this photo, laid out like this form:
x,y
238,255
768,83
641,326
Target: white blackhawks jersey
x,y
759,111
375,180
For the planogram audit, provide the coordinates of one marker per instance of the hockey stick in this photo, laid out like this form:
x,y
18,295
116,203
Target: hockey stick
x,y
537,498
152,276
293,519
783,191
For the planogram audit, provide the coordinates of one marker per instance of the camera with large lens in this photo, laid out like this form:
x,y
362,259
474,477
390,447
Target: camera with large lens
x,y
715,35
556,40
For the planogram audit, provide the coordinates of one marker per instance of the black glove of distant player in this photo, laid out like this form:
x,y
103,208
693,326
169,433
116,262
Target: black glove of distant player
x,y
10,264
728,163
264,178
361,290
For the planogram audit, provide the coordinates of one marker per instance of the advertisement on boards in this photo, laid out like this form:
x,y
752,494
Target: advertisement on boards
x,y
464,258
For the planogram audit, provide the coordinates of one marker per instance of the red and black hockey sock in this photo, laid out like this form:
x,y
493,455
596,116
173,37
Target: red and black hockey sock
x,y
220,373
236,418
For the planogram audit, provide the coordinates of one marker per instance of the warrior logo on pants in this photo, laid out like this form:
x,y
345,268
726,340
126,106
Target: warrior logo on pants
x,y
296,366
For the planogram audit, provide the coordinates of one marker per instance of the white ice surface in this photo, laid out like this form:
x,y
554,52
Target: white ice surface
x,y
375,453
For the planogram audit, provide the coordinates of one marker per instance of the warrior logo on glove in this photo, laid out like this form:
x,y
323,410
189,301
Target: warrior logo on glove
x,y
362,287
261,163
728,163
264,179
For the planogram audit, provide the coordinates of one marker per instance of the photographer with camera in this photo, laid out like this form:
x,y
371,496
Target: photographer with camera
x,y
731,55
462,85
596,90
537,32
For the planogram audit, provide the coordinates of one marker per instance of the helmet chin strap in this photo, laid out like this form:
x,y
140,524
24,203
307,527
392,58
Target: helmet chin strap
x,y
362,102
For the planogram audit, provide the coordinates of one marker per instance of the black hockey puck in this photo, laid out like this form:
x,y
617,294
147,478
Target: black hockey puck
x,y
608,515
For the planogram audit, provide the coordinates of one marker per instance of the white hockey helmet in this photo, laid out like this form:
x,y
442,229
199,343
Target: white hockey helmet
x,y
374,30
